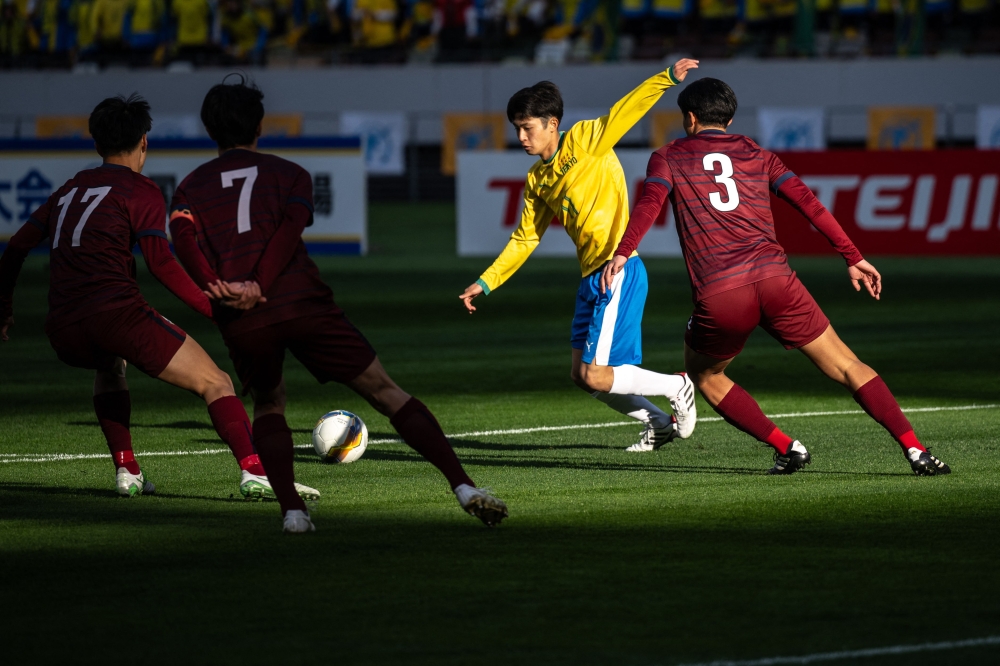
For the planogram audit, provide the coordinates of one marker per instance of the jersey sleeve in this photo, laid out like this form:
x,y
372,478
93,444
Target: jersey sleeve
x,y
655,190
597,137
147,211
791,188
184,232
777,172
535,219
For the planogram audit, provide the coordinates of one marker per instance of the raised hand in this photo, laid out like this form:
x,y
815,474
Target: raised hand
x,y
864,273
683,66
610,271
470,292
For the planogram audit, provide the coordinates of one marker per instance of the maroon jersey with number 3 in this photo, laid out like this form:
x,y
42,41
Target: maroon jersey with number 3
x,y
237,204
94,221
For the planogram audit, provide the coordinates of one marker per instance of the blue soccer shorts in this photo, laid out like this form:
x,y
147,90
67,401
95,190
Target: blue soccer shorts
x,y
608,327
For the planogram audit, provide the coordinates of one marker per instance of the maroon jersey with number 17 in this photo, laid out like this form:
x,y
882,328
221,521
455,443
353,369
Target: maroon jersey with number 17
x,y
94,221
248,210
719,185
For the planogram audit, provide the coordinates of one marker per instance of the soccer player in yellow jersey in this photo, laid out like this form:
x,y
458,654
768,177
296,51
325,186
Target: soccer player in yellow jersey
x,y
579,180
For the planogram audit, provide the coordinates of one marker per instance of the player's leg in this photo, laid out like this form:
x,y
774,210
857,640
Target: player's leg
x,y
607,348
792,316
836,360
113,406
422,433
716,333
191,368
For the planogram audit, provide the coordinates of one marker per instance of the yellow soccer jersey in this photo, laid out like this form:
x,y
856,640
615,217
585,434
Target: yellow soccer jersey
x,y
583,185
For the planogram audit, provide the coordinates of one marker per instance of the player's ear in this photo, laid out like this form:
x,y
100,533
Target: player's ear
x,y
143,144
729,123
260,128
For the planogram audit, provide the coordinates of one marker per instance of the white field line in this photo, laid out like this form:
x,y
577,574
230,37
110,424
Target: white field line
x,y
855,654
60,457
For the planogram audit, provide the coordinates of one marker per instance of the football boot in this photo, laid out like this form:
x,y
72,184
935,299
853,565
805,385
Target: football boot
x,y
793,460
479,503
924,464
685,411
298,522
258,487
130,485
653,438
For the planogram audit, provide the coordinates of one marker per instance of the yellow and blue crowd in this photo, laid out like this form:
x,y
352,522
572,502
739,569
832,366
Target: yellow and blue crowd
x,y
62,33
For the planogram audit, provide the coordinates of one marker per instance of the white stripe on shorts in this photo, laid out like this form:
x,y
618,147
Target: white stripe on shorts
x,y
607,335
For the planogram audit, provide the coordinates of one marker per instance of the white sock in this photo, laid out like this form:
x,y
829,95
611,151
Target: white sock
x,y
633,380
636,407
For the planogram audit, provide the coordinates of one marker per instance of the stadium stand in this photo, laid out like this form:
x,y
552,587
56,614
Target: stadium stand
x,y
192,33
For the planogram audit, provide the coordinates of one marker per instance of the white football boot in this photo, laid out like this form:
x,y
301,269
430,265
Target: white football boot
x,y
298,522
479,503
255,487
684,408
130,485
653,438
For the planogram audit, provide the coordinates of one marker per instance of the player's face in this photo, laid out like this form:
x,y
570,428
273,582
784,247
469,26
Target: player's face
x,y
537,136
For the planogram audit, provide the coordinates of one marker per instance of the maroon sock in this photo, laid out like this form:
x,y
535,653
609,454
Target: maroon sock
x,y
231,422
740,410
273,440
114,413
878,402
420,430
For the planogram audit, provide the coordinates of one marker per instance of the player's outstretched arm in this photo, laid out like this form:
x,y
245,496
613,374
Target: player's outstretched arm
x,y
863,273
156,251
27,238
600,136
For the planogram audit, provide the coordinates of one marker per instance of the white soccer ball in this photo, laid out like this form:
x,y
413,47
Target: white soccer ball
x,y
340,437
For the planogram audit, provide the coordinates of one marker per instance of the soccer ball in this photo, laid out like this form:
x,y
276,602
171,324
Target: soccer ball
x,y
340,437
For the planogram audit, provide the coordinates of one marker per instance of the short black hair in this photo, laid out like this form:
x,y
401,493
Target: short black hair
x,y
710,100
232,112
542,100
118,124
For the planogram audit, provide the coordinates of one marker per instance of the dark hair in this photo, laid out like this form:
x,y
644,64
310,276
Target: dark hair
x,y
541,100
232,112
118,124
710,100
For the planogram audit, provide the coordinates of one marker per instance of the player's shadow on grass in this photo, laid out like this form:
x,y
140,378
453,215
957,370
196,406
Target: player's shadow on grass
x,y
176,425
99,493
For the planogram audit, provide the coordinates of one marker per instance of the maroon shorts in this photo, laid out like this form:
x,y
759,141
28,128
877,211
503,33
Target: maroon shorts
x,y
137,333
721,324
328,345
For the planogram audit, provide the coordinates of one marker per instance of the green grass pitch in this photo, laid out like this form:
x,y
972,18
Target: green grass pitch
x,y
687,555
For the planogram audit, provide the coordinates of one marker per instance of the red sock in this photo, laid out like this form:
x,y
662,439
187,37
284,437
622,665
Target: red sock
x,y
420,430
274,444
231,423
742,411
114,413
252,464
879,403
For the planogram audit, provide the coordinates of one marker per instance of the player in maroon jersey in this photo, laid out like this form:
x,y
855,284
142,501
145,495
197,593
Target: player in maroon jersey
x,y
98,319
718,185
238,220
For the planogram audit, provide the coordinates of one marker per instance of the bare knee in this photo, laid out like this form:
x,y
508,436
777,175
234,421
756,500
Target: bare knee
x,y
376,386
216,384
595,377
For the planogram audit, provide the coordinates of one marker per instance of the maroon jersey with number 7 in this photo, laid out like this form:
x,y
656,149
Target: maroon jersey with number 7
x,y
94,221
247,211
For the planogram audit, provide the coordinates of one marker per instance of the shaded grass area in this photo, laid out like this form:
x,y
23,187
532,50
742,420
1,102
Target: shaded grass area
x,y
687,555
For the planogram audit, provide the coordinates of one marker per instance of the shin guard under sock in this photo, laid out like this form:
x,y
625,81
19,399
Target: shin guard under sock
x,y
273,440
879,403
740,410
421,431
114,413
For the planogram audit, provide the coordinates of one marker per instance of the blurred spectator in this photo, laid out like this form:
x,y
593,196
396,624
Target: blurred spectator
x,y
194,21
244,32
456,26
144,22
79,17
13,34
107,20
321,23
374,30
55,31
